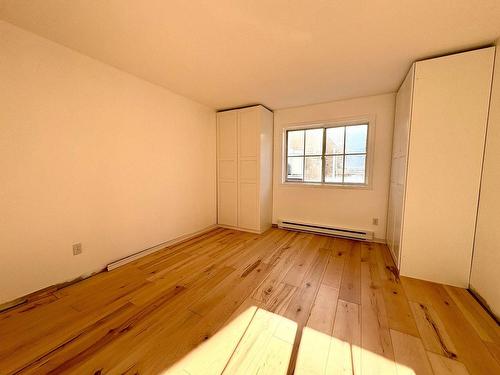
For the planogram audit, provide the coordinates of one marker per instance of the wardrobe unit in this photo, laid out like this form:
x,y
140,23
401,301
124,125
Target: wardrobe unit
x,y
244,168
439,134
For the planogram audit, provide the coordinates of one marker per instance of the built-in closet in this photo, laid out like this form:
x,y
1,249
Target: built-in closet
x,y
439,136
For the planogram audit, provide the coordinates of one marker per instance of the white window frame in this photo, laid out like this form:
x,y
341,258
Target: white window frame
x,y
360,120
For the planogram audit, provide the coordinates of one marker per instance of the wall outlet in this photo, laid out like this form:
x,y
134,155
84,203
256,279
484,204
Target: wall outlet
x,y
375,221
77,248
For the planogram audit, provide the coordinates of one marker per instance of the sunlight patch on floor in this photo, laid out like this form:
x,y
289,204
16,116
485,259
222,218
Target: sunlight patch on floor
x,y
256,341
259,341
320,353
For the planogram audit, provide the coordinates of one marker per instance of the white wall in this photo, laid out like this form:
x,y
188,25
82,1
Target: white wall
x,y
340,206
485,276
93,155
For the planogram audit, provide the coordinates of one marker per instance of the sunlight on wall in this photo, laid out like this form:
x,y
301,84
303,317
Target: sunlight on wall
x,y
257,341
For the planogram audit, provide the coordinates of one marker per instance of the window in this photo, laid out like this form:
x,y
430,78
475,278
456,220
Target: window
x,y
329,155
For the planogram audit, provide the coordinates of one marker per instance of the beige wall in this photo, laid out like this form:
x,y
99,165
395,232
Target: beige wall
x,y
93,155
485,276
345,207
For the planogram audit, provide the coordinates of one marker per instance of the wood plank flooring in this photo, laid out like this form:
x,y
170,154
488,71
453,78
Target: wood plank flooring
x,y
239,303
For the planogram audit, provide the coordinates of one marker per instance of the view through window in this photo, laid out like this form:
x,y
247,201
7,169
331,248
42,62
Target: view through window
x,y
331,155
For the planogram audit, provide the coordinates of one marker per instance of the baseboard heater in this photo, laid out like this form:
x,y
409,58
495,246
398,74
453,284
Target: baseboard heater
x,y
325,229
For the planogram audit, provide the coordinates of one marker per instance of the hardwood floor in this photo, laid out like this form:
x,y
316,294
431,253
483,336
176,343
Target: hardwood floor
x,y
233,302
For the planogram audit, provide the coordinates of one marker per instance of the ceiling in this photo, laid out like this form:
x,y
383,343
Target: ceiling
x,y
281,53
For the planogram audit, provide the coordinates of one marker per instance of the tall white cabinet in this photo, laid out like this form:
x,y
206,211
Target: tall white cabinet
x,y
244,168
439,135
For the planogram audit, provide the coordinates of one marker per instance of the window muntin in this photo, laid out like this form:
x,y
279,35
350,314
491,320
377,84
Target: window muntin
x,y
330,155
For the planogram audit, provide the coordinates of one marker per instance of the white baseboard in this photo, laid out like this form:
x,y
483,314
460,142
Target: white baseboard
x,y
175,241
240,229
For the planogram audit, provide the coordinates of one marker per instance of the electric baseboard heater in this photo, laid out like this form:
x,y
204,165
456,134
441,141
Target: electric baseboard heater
x,y
325,229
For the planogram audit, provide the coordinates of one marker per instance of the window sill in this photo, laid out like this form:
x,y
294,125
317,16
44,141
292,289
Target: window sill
x,y
327,186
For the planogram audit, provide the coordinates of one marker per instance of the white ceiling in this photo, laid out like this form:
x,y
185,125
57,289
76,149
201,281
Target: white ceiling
x,y
281,53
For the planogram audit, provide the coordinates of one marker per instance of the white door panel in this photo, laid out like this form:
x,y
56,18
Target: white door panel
x,y
248,213
228,207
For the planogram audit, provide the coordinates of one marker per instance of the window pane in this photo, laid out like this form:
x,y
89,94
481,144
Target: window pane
x,y
312,171
295,142
355,169
294,168
334,166
355,138
314,142
335,140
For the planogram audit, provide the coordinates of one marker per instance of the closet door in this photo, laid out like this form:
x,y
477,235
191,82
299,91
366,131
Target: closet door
x,y
249,168
227,169
485,275
399,161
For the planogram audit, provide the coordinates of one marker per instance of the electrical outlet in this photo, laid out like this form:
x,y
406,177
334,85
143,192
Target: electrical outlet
x,y
375,221
77,248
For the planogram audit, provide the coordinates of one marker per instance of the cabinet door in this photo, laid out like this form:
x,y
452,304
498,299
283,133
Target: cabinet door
x,y
227,172
249,168
398,168
485,275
